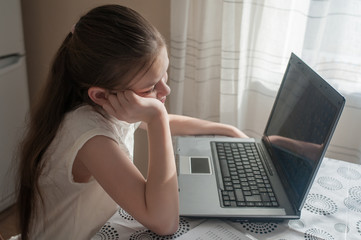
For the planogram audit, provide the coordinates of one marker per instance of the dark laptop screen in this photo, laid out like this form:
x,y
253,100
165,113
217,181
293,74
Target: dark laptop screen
x,y
300,125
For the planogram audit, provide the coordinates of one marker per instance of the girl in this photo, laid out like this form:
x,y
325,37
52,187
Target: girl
x,y
108,77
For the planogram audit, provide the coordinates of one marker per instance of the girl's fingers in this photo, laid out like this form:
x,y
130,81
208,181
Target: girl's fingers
x,y
113,100
109,109
113,106
129,96
122,99
119,105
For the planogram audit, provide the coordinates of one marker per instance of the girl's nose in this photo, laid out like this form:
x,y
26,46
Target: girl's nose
x,y
163,89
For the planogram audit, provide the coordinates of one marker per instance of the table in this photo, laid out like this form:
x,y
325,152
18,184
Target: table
x,y
332,211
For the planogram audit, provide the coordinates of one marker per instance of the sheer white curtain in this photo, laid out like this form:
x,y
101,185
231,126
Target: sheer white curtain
x,y
227,59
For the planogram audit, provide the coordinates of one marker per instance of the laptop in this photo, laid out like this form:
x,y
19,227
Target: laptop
x,y
262,179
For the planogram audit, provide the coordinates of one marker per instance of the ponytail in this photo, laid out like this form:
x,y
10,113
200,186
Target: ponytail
x,y
58,98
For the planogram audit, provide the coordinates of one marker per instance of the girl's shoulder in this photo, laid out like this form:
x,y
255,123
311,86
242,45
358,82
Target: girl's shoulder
x,y
89,118
82,120
84,112
86,121
87,115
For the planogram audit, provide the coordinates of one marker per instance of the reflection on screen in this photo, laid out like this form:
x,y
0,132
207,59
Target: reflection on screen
x,y
299,128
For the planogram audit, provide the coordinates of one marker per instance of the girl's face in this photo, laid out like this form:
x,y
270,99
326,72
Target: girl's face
x,y
153,83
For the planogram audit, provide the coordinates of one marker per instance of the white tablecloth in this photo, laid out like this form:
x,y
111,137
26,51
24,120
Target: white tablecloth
x,y
332,211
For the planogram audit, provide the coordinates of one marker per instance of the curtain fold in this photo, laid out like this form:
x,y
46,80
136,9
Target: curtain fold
x,y
227,59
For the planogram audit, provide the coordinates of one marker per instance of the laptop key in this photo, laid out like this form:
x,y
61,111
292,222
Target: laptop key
x,y
241,204
224,168
265,197
228,184
231,196
247,193
253,198
255,192
227,203
239,195
251,204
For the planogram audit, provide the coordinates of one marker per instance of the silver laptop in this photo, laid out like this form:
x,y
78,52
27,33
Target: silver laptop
x,y
269,178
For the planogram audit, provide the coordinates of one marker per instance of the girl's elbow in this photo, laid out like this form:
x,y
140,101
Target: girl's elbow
x,y
166,228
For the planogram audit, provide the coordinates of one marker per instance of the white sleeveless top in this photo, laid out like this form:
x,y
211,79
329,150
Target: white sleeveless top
x,y
77,210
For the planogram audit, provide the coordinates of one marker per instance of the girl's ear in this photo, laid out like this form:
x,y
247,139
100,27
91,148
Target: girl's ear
x,y
98,95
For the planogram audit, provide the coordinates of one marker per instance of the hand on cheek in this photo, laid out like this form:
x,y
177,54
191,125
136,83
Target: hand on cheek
x,y
128,106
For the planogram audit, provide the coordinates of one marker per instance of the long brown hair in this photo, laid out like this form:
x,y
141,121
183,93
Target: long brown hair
x,y
106,48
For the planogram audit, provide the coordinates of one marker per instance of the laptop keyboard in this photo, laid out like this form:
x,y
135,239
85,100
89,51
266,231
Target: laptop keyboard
x,y
246,183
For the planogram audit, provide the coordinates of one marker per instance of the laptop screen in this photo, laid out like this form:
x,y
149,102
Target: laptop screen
x,y
300,125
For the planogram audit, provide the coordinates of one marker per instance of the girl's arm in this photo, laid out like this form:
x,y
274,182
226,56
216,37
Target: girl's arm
x,y
182,125
153,202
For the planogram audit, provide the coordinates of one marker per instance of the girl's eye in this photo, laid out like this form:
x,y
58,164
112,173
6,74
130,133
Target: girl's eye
x,y
149,91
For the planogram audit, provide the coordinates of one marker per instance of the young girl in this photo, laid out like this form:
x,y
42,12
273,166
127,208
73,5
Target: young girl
x,y
108,77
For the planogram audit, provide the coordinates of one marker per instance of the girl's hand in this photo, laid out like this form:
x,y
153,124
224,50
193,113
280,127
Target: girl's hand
x,y
235,132
128,106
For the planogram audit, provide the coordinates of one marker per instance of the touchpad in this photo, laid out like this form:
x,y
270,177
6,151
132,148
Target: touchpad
x,y
194,165
200,165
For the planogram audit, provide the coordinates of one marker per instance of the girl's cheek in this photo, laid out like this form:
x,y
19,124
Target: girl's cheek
x,y
146,95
